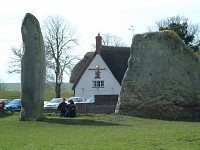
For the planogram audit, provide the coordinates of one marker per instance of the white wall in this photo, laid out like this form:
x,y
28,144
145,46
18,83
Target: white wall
x,y
84,87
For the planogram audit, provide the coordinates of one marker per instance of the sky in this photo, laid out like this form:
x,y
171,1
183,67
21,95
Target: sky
x,y
88,17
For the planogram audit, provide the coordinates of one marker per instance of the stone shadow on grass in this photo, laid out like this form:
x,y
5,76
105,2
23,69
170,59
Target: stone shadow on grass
x,y
79,121
4,114
74,121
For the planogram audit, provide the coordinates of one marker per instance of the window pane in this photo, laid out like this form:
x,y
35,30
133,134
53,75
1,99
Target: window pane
x,y
98,83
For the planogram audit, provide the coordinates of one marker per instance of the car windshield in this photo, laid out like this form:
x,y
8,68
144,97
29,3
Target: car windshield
x,y
77,99
73,98
91,99
55,101
15,101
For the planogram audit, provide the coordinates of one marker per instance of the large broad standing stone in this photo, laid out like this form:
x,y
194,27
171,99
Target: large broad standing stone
x,y
162,79
33,69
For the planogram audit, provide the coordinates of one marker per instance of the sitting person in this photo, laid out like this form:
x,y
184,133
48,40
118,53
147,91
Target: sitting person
x,y
63,108
71,113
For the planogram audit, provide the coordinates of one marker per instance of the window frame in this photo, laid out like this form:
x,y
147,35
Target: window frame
x,y
98,84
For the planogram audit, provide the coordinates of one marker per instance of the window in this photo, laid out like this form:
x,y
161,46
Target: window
x,y
98,84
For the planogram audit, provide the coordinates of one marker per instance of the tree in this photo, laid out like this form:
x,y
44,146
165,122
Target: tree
x,y
111,40
15,61
188,32
59,37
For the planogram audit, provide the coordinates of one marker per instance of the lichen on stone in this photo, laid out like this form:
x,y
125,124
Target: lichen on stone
x,y
171,33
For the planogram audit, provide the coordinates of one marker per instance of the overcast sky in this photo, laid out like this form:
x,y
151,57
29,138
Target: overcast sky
x,y
88,17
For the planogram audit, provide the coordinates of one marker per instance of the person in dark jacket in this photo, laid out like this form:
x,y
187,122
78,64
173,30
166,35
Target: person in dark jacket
x,y
63,108
71,113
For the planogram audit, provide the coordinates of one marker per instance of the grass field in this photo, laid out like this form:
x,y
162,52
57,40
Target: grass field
x,y
16,94
49,86
97,132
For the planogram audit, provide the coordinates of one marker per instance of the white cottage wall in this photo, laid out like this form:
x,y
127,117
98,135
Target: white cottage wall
x,y
85,87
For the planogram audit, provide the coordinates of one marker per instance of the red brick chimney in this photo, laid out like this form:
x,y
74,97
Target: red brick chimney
x,y
98,43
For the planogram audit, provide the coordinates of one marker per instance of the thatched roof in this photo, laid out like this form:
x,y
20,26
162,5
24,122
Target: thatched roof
x,y
116,59
79,66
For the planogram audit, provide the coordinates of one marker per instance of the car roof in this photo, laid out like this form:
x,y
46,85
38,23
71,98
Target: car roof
x,y
75,97
4,99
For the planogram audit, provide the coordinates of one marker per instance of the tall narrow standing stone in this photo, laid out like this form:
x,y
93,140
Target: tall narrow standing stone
x,y
32,69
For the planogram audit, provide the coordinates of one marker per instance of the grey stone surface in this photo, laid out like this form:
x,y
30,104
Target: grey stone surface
x,y
33,69
162,79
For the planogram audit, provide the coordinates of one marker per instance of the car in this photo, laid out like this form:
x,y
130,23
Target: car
x,y
90,100
53,104
77,99
3,102
45,102
14,104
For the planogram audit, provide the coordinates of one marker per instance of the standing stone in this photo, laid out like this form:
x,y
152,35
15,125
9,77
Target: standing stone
x,y
162,79
32,69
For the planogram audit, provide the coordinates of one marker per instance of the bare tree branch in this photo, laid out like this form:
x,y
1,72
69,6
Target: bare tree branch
x,y
111,40
60,37
15,61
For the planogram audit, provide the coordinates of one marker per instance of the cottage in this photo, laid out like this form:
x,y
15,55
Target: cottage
x,y
100,72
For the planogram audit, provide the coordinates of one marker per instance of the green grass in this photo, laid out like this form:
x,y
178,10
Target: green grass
x,y
51,94
9,94
97,132
16,94
49,86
